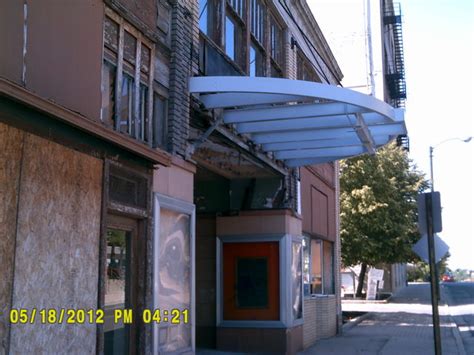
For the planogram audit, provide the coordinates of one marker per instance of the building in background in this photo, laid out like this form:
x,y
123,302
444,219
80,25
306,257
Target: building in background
x,y
157,155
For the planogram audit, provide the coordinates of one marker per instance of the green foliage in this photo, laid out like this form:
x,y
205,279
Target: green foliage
x,y
461,274
378,207
420,271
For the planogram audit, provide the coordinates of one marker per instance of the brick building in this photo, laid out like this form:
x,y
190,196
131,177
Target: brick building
x,y
157,155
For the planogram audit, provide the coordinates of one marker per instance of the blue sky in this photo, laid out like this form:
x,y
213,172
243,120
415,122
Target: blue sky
x,y
439,60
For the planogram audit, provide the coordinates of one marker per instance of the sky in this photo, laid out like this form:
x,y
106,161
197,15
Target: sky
x,y
439,67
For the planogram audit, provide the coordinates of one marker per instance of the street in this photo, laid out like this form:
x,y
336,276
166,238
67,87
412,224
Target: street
x,y
460,297
404,324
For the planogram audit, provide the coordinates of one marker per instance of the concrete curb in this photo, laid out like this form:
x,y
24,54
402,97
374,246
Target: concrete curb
x,y
453,324
353,322
355,301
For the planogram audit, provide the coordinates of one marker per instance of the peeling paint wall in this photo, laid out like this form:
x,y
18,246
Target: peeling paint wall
x,y
57,239
11,140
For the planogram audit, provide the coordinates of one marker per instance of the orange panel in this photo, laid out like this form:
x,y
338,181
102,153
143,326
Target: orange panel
x,y
235,252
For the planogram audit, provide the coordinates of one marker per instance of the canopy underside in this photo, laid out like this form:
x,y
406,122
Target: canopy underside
x,y
301,122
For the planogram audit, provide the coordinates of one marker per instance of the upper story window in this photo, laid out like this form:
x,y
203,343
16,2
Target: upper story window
x,y
238,6
257,18
258,54
305,70
203,16
276,48
246,31
234,32
130,104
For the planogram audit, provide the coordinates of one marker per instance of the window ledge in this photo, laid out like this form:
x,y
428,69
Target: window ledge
x,y
26,97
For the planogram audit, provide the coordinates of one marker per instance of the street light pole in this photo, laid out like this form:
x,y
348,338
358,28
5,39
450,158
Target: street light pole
x,y
466,140
434,274
431,168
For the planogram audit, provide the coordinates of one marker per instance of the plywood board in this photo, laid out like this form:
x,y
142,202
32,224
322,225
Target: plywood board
x,y
57,248
11,140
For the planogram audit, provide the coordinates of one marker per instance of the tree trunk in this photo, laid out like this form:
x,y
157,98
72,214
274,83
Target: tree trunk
x,y
360,286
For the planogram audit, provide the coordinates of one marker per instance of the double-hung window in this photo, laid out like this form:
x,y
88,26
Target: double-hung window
x,y
234,31
127,83
247,32
257,39
305,70
276,48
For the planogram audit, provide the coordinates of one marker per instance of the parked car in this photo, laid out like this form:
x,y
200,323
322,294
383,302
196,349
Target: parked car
x,y
447,278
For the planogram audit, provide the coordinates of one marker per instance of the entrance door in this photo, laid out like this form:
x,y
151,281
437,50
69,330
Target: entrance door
x,y
120,286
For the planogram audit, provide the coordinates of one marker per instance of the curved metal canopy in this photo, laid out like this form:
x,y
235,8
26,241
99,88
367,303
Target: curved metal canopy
x,y
301,122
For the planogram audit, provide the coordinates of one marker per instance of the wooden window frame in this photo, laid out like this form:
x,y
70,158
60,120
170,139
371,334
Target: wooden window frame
x,y
254,29
133,227
114,211
276,46
140,78
239,34
304,69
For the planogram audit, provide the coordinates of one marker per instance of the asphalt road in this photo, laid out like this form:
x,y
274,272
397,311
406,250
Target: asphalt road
x,y
460,298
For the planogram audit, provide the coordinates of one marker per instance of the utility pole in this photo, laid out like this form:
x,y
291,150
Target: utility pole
x,y
370,50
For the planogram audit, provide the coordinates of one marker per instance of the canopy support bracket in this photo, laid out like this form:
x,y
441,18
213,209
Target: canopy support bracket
x,y
364,134
218,118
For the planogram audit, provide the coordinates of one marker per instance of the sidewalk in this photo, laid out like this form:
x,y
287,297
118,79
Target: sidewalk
x,y
402,326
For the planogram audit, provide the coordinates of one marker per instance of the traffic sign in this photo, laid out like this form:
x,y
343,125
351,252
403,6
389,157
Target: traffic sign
x,y
421,248
435,215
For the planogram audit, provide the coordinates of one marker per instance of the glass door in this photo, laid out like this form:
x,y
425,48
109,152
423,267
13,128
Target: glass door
x,y
119,278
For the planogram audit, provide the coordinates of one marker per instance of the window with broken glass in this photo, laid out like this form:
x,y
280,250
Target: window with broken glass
x,y
128,97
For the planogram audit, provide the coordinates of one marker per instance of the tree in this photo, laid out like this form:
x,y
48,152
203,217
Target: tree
x,y
420,270
378,208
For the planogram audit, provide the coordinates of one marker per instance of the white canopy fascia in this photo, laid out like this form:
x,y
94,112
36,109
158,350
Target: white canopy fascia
x,y
301,122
